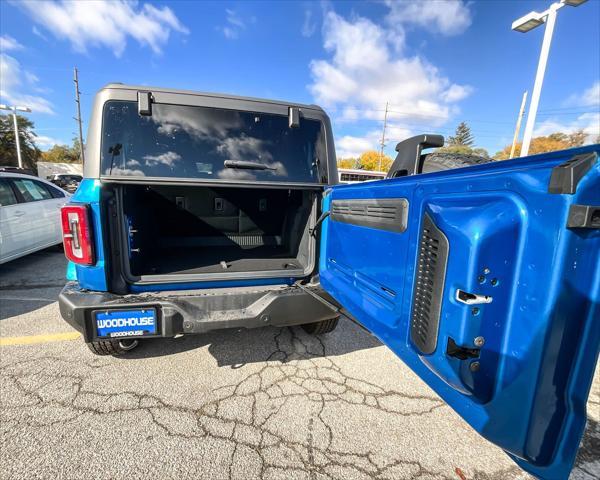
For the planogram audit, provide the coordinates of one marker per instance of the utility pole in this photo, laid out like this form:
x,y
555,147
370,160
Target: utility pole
x,y
383,136
518,127
76,80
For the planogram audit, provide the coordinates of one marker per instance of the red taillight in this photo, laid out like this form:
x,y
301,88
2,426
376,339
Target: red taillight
x,y
77,234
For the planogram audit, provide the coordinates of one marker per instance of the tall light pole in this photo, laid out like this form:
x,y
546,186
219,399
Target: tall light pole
x,y
14,111
523,25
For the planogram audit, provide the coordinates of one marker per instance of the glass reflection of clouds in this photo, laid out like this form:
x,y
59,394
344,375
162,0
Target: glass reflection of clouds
x,y
194,142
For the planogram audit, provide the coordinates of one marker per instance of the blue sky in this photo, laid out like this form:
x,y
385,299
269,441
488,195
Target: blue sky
x,y
436,62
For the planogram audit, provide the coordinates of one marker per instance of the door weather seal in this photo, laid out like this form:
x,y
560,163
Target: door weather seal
x,y
566,176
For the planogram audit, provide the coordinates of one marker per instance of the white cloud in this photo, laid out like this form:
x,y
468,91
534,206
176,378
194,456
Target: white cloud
x,y
31,77
364,72
588,122
102,23
44,142
235,24
456,93
590,97
350,146
37,32
8,43
367,67
448,17
15,81
308,26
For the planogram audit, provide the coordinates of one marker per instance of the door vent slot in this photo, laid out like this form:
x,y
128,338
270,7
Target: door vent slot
x,y
382,213
429,287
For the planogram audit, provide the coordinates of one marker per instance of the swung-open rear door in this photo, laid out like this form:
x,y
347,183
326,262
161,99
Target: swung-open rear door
x,y
486,282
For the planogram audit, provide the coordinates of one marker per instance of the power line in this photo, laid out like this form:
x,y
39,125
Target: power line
x,y
518,126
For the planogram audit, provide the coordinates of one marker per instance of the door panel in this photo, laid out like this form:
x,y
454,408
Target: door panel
x,y
486,295
40,214
14,225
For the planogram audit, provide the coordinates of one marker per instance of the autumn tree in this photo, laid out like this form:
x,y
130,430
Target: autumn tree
x,y
550,143
63,153
8,151
373,160
462,136
368,160
348,162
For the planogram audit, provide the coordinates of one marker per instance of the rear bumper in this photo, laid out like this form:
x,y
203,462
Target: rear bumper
x,y
199,311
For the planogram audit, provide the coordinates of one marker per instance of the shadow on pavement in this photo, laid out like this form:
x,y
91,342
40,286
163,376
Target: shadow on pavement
x,y
589,449
31,282
236,348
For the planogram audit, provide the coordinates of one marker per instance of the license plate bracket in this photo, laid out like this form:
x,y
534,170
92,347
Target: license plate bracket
x,y
125,323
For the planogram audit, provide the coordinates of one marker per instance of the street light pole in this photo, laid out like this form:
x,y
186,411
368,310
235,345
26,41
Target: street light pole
x,y
14,110
17,139
539,78
525,24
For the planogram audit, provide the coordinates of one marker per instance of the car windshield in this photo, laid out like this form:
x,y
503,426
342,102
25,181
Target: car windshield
x,y
210,143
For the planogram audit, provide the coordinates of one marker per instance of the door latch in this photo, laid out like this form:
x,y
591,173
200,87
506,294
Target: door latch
x,y
471,298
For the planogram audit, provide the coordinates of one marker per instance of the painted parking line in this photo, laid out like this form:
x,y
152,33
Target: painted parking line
x,y
30,339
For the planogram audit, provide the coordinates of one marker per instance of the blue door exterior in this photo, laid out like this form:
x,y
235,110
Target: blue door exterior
x,y
486,282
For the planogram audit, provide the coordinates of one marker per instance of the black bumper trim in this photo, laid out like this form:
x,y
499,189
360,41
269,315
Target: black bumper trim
x,y
199,311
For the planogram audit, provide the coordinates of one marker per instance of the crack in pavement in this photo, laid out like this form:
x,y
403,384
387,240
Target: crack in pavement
x,y
276,420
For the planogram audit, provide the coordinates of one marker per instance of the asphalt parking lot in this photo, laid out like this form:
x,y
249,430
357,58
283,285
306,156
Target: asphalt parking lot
x,y
267,403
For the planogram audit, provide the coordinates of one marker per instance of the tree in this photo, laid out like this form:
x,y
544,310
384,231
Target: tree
x,y
63,153
370,160
550,143
30,154
349,162
462,136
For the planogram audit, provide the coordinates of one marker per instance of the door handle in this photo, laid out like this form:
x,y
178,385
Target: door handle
x,y
18,214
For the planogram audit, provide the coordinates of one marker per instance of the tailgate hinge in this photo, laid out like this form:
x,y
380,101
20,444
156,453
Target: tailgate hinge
x,y
584,216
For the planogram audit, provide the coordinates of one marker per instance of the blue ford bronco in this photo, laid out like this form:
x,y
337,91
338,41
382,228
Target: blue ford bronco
x,y
201,211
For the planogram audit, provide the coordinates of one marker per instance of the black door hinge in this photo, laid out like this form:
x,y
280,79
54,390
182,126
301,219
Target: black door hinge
x,y
566,176
584,216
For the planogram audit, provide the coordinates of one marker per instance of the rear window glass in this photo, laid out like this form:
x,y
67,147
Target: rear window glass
x,y
212,144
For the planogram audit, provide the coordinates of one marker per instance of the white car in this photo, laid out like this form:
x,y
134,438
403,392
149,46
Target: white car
x,y
29,215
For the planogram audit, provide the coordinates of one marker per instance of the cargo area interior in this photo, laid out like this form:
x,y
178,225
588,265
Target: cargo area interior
x,y
191,230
